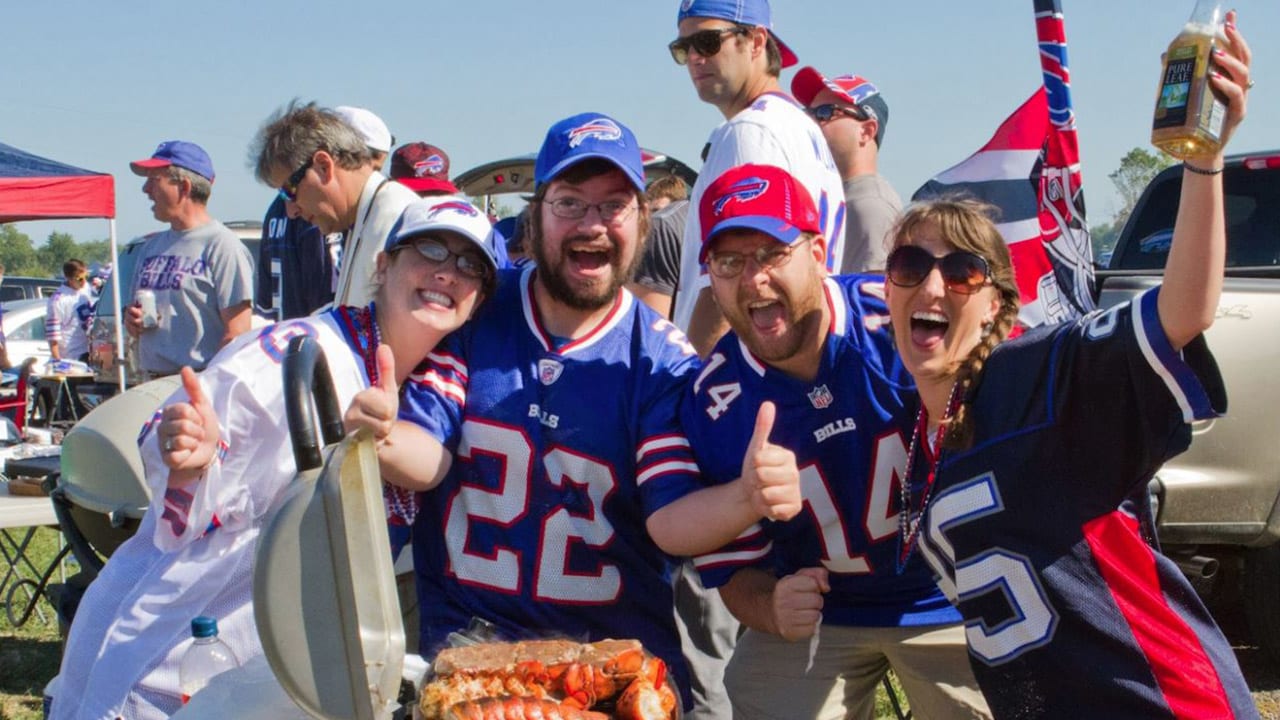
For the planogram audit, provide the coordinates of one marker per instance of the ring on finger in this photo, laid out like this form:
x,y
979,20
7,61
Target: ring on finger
x,y
1250,85
168,444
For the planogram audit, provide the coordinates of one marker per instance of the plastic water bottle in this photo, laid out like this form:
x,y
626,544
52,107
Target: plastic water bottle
x,y
207,656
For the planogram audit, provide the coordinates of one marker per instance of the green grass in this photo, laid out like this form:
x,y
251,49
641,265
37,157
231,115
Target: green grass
x,y
884,710
29,655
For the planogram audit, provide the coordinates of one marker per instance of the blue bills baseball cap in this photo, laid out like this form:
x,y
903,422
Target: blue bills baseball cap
x,y
743,12
585,136
444,213
177,152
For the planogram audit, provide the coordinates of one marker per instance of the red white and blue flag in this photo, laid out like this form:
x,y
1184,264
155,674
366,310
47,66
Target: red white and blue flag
x,y
1030,170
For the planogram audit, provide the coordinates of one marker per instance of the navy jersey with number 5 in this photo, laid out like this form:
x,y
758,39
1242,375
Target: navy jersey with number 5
x,y
561,452
1068,612
846,428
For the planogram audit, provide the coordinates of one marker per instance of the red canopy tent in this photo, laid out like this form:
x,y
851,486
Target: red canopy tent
x,y
36,188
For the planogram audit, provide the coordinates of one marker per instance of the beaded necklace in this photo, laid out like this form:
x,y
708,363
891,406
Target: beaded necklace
x,y
401,504
908,522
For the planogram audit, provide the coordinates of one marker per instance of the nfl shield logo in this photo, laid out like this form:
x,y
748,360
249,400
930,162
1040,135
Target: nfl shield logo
x,y
549,370
820,397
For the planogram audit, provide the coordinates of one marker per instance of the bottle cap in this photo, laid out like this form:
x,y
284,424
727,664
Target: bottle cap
x,y
204,626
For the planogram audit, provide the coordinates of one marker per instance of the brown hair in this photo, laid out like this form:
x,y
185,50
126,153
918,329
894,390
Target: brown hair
x,y
967,224
772,55
668,186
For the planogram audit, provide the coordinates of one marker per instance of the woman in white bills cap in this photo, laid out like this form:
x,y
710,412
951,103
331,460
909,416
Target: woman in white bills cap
x,y
218,458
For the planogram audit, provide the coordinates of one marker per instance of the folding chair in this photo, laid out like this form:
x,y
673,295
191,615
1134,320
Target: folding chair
x,y
16,407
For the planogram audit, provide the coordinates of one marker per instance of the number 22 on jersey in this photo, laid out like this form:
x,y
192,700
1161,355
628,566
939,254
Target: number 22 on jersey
x,y
507,505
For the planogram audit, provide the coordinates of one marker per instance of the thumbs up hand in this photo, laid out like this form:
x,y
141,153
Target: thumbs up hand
x,y
188,433
769,471
376,407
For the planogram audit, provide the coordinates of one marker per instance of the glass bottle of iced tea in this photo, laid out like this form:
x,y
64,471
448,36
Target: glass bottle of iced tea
x,y
1189,115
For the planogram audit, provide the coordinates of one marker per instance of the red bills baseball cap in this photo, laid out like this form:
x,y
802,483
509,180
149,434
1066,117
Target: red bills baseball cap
x,y
422,167
757,197
857,91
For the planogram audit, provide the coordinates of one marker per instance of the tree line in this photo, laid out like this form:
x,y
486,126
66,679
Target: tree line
x,y
21,257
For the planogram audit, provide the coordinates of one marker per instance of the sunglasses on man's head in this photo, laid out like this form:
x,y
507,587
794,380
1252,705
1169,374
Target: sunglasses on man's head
x,y
825,112
962,272
289,188
706,42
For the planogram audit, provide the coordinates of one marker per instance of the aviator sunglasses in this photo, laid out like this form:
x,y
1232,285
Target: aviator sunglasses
x,y
962,272
706,42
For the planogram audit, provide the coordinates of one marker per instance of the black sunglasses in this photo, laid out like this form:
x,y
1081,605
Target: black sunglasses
x,y
962,272
289,188
706,42
823,113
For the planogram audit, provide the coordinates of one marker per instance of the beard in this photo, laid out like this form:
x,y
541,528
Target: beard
x,y
581,296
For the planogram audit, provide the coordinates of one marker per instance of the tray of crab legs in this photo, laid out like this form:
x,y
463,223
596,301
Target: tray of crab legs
x,y
548,680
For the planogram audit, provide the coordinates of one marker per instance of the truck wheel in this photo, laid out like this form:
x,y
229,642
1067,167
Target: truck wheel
x,y
1262,597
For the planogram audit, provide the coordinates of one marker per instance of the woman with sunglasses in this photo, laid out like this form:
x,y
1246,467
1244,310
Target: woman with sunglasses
x,y
1025,451
218,459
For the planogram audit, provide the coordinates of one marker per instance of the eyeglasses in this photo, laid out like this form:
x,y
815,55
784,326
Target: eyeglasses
x,y
438,253
962,272
575,209
705,42
823,113
289,188
730,264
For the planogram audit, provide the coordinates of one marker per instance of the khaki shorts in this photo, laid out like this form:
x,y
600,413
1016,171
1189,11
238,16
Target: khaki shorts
x,y
767,679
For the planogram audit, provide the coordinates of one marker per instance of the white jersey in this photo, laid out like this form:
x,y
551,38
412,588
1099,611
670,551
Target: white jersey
x,y
193,553
66,320
773,130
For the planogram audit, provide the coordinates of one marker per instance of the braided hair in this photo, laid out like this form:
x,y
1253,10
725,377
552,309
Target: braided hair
x,y
967,224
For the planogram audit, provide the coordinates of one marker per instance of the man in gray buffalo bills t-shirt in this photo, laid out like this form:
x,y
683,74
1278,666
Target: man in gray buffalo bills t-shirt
x,y
199,272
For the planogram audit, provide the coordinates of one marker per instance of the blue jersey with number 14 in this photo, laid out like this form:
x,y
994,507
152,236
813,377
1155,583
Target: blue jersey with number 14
x,y
846,429
562,450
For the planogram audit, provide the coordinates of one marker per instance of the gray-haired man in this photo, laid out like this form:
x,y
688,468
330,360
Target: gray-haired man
x,y
321,166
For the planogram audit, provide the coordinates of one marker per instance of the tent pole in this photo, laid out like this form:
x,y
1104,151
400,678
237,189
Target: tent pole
x,y
119,313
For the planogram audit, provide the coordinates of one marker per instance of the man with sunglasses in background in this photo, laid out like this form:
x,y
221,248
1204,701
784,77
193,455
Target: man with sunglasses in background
x,y
853,116
326,165
297,264
199,272
818,348
66,320
734,59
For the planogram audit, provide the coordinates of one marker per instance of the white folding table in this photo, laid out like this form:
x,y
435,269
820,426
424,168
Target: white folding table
x,y
20,516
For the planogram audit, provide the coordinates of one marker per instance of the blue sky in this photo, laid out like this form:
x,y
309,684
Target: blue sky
x,y
97,84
